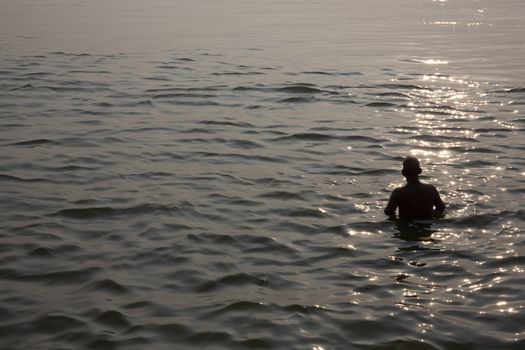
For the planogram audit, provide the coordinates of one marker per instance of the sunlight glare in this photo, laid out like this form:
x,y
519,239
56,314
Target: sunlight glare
x,y
433,61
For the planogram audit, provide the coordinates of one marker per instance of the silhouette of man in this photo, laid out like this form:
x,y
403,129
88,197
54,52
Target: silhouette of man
x,y
415,200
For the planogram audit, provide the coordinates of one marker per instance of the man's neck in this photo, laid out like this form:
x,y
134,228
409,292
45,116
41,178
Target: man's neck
x,y
412,180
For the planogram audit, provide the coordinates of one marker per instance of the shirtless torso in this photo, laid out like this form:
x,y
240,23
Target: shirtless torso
x,y
415,200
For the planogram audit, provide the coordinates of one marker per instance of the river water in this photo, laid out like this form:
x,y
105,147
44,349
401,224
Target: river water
x,y
211,174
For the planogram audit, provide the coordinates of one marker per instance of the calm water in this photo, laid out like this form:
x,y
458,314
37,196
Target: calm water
x,y
211,174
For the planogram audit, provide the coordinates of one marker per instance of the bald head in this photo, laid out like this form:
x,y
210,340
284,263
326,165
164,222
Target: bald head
x,y
411,167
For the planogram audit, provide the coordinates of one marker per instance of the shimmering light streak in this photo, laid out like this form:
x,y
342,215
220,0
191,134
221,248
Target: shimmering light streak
x,y
432,61
358,233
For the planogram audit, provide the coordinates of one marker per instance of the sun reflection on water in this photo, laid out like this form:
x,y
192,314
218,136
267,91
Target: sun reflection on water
x,y
451,132
446,136
358,233
433,61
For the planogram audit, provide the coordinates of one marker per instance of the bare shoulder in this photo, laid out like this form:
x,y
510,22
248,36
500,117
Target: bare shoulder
x,y
397,191
429,187
431,190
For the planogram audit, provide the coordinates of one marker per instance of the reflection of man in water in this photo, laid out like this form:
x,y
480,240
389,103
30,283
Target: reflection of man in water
x,y
415,200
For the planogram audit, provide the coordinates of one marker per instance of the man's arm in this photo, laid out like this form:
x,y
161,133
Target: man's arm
x,y
391,207
438,202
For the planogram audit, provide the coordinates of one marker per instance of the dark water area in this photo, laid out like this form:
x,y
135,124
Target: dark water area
x,y
186,175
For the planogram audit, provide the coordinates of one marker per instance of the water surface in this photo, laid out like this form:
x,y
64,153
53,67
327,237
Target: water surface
x,y
211,174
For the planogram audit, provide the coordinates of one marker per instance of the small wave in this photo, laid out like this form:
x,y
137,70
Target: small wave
x,y
237,73
4,177
232,280
38,74
331,253
434,112
300,212
517,190
507,262
107,285
56,324
340,100
62,250
306,99
348,171
74,88
42,252
183,95
85,71
101,212
226,158
58,277
139,305
182,334
187,89
62,53
303,309
165,90
442,138
325,137
113,319
495,130
299,89
283,195
167,66
86,213
331,73
23,87
243,144
519,90
239,306
303,88
479,163
158,78
393,94
202,103
227,123
478,220
136,176
103,104
403,87
380,104
473,149
140,130
306,137
253,107
103,343
35,142
132,103
399,343
244,203
273,248
213,238
250,88
170,332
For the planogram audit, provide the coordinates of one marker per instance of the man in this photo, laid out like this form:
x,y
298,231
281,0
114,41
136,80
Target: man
x,y
415,200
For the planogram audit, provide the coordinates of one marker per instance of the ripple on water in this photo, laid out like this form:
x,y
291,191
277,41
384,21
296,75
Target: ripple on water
x,y
64,277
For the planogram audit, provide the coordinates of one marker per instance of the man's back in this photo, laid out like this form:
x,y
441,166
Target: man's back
x,y
415,200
